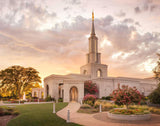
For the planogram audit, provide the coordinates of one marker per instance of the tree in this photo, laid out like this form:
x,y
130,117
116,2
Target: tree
x,y
156,70
126,95
154,97
90,87
16,80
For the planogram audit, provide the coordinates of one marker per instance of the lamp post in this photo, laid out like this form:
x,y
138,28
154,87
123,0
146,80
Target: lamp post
x,y
54,111
68,116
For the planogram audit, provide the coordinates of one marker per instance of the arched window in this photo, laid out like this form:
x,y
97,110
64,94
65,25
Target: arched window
x,y
99,73
47,90
85,72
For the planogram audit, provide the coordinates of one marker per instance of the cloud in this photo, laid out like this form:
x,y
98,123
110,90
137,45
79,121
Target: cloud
x,y
73,2
63,45
137,10
121,14
26,14
128,20
148,5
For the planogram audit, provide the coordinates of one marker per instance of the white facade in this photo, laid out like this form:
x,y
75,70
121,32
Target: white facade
x,y
71,87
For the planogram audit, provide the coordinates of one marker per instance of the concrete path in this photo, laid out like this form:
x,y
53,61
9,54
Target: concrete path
x,y
99,119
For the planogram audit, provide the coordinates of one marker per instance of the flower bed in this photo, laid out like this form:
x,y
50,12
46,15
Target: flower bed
x,y
129,114
129,117
129,111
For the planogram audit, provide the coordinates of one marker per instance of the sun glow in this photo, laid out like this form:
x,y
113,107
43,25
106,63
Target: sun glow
x,y
133,33
122,55
105,42
148,65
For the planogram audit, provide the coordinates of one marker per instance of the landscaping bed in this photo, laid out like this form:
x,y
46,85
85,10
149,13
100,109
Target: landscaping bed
x,y
8,111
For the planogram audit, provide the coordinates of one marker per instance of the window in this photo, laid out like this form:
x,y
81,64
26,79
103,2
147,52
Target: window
x,y
99,73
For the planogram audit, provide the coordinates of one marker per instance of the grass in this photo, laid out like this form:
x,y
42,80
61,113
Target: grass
x,y
39,115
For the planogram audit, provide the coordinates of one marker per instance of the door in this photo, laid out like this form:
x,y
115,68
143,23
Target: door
x,y
74,94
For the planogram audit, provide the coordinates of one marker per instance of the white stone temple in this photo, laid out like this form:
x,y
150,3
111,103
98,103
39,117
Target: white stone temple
x,y
71,87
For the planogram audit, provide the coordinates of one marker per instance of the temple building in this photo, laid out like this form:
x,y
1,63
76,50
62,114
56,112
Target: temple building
x,y
71,87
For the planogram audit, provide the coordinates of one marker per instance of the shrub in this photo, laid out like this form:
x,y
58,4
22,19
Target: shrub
x,y
154,110
89,99
154,97
85,106
90,87
107,98
60,100
126,95
7,112
15,113
10,109
49,98
129,111
1,111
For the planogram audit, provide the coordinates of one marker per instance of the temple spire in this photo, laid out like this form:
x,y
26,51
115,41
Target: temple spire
x,y
92,30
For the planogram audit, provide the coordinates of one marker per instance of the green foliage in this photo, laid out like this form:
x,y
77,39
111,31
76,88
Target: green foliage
x,y
89,99
49,98
90,88
154,97
16,80
129,111
154,110
85,106
126,96
15,113
107,98
60,100
7,111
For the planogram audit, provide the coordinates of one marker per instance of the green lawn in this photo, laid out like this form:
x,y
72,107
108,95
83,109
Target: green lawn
x,y
39,115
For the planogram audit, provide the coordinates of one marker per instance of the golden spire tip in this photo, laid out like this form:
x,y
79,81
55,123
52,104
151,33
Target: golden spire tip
x,y
93,15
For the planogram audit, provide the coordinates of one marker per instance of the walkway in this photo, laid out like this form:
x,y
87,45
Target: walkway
x,y
100,119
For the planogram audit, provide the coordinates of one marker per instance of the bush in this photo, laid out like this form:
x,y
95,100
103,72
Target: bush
x,y
154,97
89,99
106,105
15,113
60,100
85,106
1,111
10,109
154,110
90,87
129,111
49,98
107,98
126,96
7,112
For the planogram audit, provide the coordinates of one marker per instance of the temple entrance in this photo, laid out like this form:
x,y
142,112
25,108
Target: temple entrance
x,y
74,94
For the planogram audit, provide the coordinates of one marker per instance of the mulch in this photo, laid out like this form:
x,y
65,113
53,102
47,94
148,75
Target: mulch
x,y
5,119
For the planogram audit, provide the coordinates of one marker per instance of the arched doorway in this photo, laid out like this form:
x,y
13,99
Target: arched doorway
x,y
74,94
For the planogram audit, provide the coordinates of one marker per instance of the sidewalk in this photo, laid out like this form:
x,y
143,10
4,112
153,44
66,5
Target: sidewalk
x,y
100,119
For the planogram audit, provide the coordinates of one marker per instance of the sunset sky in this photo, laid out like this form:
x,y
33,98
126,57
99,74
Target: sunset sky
x,y
52,35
